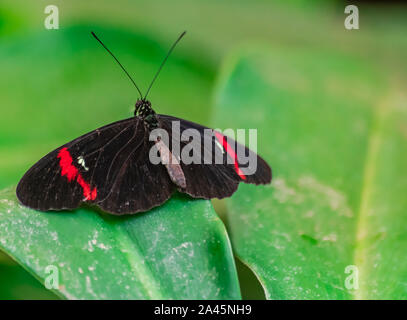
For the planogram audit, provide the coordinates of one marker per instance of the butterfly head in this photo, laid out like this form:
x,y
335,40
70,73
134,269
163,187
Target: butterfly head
x,y
143,110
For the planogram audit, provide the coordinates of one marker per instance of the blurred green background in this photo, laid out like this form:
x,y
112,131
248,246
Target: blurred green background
x,y
58,84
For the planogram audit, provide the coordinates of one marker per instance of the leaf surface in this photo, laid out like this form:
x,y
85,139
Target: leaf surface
x,y
177,251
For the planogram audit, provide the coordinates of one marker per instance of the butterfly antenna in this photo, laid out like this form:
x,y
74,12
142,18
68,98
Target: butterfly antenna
x,y
162,64
121,66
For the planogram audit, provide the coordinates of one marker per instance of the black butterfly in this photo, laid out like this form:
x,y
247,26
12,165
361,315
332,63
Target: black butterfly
x,y
110,167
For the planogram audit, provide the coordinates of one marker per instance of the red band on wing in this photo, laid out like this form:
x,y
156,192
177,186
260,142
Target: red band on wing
x,y
223,140
71,172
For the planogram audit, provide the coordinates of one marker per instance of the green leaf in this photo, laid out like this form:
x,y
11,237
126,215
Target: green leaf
x,y
177,251
334,132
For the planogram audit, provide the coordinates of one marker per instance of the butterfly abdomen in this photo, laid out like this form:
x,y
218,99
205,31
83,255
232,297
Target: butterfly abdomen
x,y
172,164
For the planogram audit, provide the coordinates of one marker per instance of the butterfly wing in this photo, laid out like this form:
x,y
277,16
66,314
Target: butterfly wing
x,y
220,177
135,184
107,167
110,167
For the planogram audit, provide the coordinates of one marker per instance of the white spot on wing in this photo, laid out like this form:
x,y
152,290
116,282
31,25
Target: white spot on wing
x,y
219,145
81,161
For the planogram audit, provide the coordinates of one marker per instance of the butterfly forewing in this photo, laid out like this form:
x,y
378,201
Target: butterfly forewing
x,y
95,168
52,183
135,183
215,179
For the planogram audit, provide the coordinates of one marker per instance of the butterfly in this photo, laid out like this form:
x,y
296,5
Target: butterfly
x,y
111,166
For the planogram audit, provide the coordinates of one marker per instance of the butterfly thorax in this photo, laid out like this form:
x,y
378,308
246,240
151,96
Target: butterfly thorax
x,y
174,169
144,111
